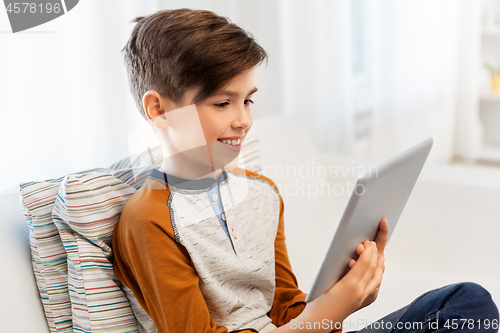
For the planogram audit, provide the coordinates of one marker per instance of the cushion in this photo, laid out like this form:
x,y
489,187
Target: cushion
x,y
71,220
85,212
47,250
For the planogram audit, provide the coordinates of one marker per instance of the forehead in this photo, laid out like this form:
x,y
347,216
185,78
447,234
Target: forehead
x,y
242,84
233,92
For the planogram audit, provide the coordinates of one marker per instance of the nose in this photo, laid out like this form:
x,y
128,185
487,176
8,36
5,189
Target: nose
x,y
242,118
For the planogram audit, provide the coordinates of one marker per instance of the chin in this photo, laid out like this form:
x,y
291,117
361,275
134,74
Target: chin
x,y
232,165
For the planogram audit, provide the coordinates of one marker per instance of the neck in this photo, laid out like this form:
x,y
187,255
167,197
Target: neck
x,y
179,167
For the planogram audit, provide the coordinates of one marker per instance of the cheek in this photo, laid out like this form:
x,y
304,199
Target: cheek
x,y
211,126
212,133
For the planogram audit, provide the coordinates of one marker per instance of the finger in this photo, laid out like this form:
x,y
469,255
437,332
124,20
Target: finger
x,y
382,233
360,249
373,265
376,281
365,266
358,272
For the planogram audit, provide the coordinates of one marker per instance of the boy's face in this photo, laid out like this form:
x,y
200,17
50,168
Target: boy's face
x,y
225,115
226,118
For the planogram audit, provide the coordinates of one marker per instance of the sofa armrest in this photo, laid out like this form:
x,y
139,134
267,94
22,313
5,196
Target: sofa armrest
x,y
20,297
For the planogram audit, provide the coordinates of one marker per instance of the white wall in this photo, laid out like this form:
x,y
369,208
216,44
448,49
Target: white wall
x,y
66,105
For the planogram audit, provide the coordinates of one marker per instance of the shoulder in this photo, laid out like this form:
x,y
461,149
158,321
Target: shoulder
x,y
254,175
144,211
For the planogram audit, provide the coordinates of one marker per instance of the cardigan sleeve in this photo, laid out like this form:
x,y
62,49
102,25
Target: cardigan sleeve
x,y
159,270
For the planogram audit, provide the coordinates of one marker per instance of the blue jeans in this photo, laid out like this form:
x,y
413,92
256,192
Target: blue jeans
x,y
460,307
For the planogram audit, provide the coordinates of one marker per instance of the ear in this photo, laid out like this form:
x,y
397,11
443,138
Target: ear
x,y
155,107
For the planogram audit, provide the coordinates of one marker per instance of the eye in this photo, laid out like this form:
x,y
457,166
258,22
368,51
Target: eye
x,y
224,104
221,105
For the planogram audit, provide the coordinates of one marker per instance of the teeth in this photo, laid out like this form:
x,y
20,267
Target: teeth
x,y
232,142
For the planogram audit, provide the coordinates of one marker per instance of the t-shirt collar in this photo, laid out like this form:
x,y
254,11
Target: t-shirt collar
x,y
187,184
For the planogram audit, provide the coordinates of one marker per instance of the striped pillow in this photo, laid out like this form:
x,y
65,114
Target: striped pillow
x,y
85,212
70,238
49,257
47,252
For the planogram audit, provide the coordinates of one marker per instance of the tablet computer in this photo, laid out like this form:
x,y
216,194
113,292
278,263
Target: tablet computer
x,y
381,193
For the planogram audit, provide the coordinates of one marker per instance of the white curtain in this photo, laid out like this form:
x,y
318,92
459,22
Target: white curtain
x,y
416,66
65,105
372,78
366,78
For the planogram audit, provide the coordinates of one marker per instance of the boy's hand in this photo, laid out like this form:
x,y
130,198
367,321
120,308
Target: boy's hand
x,y
357,289
380,240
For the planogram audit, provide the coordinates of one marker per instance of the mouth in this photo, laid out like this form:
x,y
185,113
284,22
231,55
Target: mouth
x,y
233,142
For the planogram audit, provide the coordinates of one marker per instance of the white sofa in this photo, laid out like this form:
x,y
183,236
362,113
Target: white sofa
x,y
448,232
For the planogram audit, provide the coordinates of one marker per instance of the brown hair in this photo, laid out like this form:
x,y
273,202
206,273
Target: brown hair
x,y
175,50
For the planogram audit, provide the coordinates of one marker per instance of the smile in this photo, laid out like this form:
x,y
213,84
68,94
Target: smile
x,y
231,142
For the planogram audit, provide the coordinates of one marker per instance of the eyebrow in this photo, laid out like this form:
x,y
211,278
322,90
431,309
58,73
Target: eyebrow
x,y
233,93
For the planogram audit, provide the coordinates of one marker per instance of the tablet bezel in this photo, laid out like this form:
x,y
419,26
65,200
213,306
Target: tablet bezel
x,y
404,169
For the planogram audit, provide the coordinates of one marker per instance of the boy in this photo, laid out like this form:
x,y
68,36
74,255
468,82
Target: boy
x,y
201,244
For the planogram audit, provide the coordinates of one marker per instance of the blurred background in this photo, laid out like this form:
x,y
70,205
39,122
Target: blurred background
x,y
361,79
367,78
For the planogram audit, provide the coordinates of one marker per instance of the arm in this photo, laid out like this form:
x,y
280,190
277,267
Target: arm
x,y
358,289
344,298
159,271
